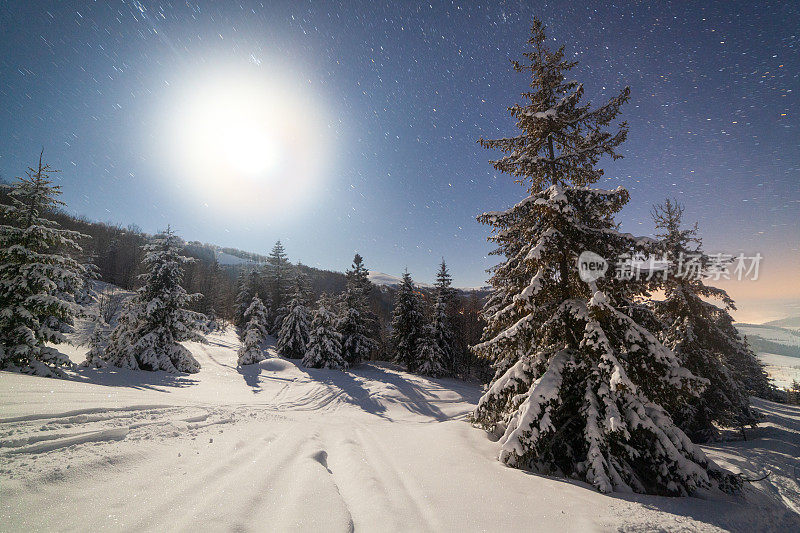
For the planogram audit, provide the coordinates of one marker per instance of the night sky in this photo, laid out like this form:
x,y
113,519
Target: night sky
x,y
387,101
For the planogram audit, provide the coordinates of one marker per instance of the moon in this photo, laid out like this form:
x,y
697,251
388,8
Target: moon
x,y
250,140
238,134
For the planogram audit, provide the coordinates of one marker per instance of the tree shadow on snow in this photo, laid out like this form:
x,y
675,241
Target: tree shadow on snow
x,y
727,512
159,381
339,385
353,389
221,343
772,449
769,448
418,401
214,360
252,373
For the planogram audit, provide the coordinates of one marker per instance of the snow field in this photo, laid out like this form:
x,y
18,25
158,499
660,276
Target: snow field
x,y
278,447
782,369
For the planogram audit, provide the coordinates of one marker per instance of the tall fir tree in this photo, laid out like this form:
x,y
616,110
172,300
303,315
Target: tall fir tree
x,y
255,333
38,278
407,323
353,322
156,319
431,360
578,382
293,335
324,342
691,329
444,282
442,332
278,282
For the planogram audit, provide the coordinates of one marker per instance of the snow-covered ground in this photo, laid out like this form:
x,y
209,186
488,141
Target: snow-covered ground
x,y
782,369
279,447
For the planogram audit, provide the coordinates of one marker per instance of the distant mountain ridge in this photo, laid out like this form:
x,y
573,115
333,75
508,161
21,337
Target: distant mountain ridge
x,y
790,322
382,279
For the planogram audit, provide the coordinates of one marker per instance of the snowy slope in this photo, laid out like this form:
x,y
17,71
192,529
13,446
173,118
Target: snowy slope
x,y
782,369
780,335
381,279
279,447
228,259
790,323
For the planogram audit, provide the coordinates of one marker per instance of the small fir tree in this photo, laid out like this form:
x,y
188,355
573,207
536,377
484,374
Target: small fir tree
x,y
98,340
407,322
38,279
793,393
86,295
214,324
255,333
156,319
293,336
324,343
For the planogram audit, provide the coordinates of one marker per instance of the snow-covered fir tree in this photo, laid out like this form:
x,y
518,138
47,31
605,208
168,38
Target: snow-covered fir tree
x,y
691,330
249,285
441,331
430,358
353,322
293,335
37,277
579,384
407,323
85,293
278,282
254,334
444,281
324,342
98,340
156,319
239,299
213,324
